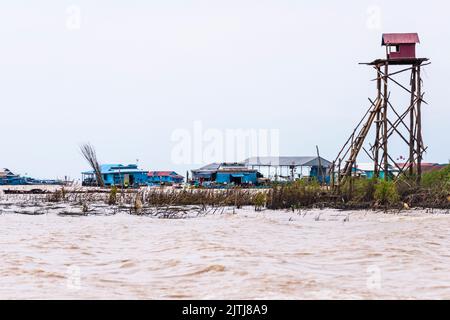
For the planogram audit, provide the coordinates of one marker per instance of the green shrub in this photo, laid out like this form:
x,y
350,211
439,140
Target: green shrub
x,y
439,179
259,201
386,192
364,189
112,200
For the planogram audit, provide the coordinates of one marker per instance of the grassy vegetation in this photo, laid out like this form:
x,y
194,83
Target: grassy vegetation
x,y
230,197
435,189
439,180
362,190
362,193
386,193
113,196
259,201
434,192
297,194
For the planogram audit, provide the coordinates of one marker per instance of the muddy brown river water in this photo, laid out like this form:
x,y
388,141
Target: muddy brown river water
x,y
247,255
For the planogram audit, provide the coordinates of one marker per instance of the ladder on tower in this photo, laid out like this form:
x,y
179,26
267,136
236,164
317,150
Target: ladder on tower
x,y
358,142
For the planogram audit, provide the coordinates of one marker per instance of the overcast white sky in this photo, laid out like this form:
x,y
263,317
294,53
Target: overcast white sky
x,y
136,71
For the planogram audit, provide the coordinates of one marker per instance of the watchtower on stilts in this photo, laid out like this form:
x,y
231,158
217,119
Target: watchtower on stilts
x,y
387,119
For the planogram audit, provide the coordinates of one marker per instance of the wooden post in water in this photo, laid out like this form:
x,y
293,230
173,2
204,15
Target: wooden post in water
x,y
320,171
377,128
332,183
339,175
419,127
385,122
412,123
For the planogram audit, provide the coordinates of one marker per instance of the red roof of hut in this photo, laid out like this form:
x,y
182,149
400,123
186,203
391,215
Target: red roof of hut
x,y
399,38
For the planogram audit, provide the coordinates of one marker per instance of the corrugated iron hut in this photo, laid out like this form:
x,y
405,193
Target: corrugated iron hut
x,y
289,168
400,45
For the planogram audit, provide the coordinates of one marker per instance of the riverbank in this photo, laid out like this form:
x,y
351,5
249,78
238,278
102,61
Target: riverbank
x,y
154,200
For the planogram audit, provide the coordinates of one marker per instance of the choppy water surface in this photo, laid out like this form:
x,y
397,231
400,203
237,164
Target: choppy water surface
x,y
314,254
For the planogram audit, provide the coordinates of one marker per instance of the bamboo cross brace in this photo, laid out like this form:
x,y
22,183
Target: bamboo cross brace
x,y
400,71
399,84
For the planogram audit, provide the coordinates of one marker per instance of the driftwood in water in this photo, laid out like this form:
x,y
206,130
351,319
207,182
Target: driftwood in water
x,y
32,191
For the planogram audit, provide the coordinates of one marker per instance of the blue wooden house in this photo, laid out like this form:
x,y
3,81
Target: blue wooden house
x,y
225,174
9,178
164,177
117,175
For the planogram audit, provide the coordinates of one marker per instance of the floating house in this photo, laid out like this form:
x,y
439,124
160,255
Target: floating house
x,y
225,174
9,178
291,168
117,175
164,177
206,173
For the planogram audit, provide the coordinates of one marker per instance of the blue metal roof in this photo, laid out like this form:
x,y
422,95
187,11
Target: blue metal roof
x,y
117,168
